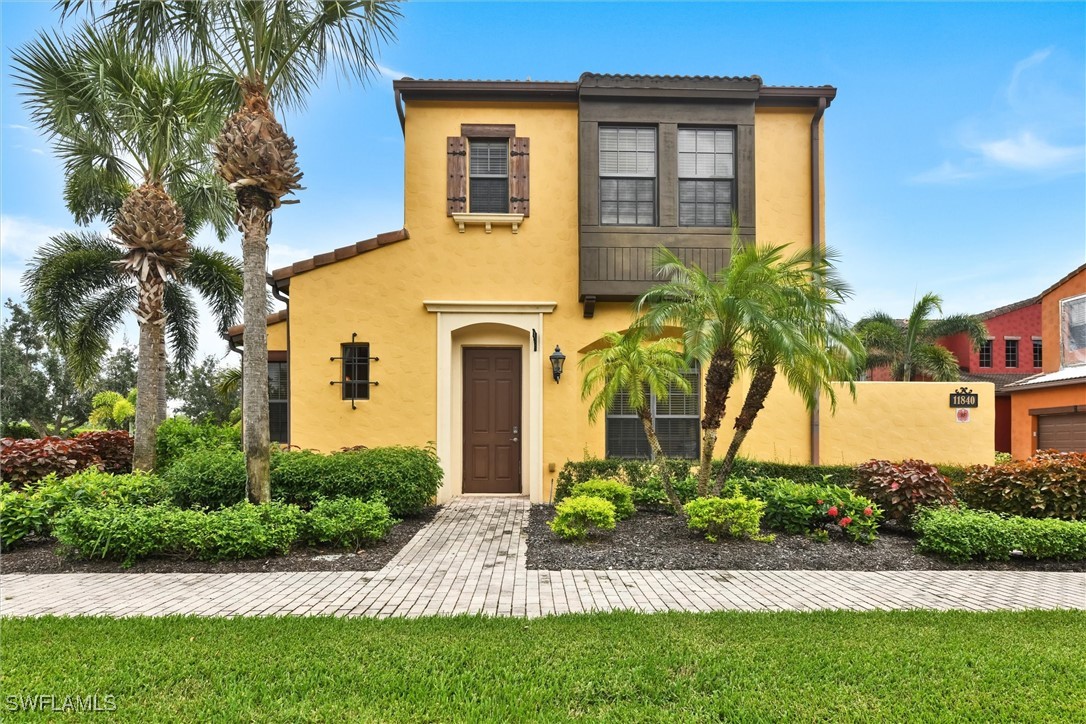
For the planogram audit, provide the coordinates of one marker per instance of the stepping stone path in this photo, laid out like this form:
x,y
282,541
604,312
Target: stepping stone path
x,y
471,559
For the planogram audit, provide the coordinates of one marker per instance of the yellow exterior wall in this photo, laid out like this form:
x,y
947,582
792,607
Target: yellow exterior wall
x,y
538,264
277,336
899,420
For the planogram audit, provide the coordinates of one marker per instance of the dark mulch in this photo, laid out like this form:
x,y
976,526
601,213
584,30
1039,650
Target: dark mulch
x,y
657,540
41,556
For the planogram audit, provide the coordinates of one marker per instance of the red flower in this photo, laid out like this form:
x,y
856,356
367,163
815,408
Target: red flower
x,y
819,502
868,511
832,512
845,521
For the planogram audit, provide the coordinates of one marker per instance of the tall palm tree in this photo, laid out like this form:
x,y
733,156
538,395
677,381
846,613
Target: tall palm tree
x,y
632,367
909,348
277,51
133,136
804,338
715,313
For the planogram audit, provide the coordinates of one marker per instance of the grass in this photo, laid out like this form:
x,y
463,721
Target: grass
x,y
861,667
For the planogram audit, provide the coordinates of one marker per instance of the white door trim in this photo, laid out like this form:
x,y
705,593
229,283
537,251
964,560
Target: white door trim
x,y
526,316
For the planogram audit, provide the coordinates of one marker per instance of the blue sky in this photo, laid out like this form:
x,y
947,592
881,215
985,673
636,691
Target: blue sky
x,y
955,151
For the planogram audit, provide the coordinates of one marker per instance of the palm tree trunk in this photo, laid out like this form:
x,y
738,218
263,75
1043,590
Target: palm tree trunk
x,y
150,369
752,405
718,384
254,218
660,461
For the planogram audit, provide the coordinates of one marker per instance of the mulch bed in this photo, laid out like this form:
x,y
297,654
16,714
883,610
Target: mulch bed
x,y
656,540
41,556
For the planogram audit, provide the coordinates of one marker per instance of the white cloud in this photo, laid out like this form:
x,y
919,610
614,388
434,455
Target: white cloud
x,y
1028,153
391,73
19,127
20,237
944,173
1021,67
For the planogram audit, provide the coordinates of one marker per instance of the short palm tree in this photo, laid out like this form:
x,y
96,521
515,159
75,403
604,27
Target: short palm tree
x,y
909,347
632,367
804,338
277,51
716,313
133,137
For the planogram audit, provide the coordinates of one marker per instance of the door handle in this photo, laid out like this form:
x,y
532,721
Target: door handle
x,y
516,430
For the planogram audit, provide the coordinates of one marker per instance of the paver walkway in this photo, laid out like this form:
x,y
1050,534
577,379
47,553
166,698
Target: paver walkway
x,y
471,559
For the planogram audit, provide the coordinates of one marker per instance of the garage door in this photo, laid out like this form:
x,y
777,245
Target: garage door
x,y
1066,433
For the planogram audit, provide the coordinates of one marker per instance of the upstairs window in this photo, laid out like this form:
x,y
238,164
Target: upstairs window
x,y
627,176
706,176
488,185
1073,331
1038,356
985,353
678,424
1010,350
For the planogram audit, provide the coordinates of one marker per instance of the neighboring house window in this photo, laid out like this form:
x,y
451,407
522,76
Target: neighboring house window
x,y
356,371
706,176
1073,331
986,353
278,402
488,187
628,176
1038,356
678,424
1010,350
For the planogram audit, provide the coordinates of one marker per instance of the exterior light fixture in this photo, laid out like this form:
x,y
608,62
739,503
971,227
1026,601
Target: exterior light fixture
x,y
558,360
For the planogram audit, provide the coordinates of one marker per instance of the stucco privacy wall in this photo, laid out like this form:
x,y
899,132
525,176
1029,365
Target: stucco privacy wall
x,y
898,420
380,295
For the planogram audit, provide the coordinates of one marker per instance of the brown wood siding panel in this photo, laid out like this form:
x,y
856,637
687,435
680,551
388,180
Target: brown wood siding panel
x,y
457,185
488,130
519,176
1066,433
492,411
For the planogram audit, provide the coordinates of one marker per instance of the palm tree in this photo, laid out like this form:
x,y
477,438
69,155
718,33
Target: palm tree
x,y
631,367
805,338
909,348
275,50
133,136
715,313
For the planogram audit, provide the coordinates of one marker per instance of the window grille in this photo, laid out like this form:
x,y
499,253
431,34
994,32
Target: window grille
x,y
677,418
628,176
1010,349
985,353
489,177
706,176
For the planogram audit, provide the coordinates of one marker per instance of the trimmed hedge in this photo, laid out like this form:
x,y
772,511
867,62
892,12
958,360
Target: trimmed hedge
x,y
26,461
212,478
1048,485
616,493
901,488
961,534
735,517
576,517
179,436
347,522
114,447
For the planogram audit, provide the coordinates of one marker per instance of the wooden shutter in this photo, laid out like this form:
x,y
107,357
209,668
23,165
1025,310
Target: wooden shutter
x,y
457,185
518,176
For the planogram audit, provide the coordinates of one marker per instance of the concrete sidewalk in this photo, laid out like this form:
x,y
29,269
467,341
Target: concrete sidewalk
x,y
471,559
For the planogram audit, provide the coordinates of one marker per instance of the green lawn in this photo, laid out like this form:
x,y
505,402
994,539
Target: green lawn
x,y
622,667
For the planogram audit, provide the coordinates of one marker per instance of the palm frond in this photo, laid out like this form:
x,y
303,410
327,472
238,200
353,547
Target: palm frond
x,y
182,324
94,322
216,276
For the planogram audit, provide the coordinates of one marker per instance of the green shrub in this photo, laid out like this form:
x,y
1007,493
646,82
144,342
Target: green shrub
x,y
961,534
1002,458
127,533
17,431
250,531
1048,485
347,522
20,515
901,488
618,494
178,436
736,517
640,475
213,478
406,478
576,517
799,508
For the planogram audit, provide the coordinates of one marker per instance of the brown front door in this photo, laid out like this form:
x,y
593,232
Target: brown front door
x,y
492,427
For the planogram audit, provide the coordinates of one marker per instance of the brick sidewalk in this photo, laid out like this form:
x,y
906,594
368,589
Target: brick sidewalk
x,y
471,559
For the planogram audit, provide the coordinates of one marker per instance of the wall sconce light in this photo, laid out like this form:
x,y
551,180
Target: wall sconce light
x,y
558,360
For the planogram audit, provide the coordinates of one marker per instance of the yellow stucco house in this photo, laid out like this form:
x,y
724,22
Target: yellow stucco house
x,y
531,212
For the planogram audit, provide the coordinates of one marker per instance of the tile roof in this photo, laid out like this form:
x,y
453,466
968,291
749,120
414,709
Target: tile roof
x,y
1010,307
344,252
1066,278
1000,380
273,318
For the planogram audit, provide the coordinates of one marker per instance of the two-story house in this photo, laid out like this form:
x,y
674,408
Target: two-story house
x,y
531,213
1048,410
